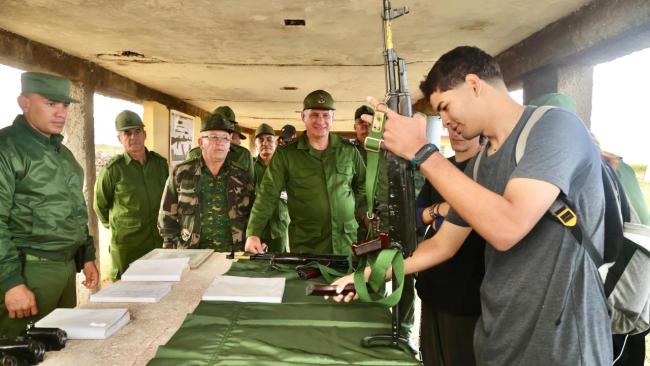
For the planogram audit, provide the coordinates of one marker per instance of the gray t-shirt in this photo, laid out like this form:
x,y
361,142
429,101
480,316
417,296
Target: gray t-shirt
x,y
542,300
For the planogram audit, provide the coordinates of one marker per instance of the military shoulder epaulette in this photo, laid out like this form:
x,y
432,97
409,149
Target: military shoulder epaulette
x,y
156,154
185,166
114,160
292,143
348,141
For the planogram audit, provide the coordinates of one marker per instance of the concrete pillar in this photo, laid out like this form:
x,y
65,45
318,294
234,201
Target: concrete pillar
x,y
434,129
80,139
574,80
197,131
577,81
156,123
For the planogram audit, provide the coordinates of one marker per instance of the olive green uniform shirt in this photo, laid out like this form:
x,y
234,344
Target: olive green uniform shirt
x,y
276,234
323,190
127,200
42,208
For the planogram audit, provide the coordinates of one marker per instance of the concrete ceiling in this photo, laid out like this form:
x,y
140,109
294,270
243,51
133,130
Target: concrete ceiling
x,y
240,53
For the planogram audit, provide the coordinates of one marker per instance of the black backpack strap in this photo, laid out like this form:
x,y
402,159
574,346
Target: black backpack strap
x,y
562,212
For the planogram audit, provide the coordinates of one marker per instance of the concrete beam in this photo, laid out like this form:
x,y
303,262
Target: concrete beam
x,y
598,32
23,53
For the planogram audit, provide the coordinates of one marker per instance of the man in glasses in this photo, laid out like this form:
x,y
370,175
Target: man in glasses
x,y
207,199
127,195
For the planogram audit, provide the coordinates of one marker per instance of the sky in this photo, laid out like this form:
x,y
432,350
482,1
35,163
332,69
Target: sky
x,y
618,117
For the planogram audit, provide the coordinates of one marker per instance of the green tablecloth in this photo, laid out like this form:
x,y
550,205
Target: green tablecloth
x,y
303,330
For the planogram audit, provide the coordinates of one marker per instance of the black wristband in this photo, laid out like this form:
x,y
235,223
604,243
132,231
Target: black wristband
x,y
422,155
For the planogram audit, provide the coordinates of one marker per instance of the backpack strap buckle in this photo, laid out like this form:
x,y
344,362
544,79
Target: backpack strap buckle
x,y
566,216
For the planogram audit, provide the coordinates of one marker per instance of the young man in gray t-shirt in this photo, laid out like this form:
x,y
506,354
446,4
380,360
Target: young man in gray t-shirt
x,y
542,298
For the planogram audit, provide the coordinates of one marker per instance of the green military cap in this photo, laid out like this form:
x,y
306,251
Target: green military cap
x,y
264,129
126,120
364,109
226,112
54,88
318,99
238,131
216,122
556,100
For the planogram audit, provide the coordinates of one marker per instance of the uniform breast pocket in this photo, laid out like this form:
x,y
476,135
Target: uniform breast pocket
x,y
344,174
49,222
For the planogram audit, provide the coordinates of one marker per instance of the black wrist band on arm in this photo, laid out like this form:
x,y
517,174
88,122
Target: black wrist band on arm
x,y
422,155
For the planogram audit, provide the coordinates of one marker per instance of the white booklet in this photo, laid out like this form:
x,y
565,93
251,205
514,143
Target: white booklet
x,y
132,292
156,270
197,256
246,289
86,323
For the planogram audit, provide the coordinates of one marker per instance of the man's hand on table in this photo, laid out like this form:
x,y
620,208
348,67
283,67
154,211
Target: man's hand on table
x,y
254,245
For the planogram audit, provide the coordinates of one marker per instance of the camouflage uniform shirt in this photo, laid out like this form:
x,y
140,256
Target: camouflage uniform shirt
x,y
179,220
215,223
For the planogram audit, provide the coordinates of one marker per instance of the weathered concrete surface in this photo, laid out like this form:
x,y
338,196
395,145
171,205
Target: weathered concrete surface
x,y
79,135
598,32
209,53
575,81
27,54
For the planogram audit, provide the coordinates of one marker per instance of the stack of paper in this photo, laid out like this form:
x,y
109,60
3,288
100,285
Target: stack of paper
x,y
86,323
156,270
132,292
197,256
246,289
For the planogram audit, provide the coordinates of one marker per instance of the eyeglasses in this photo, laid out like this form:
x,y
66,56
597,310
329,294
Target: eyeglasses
x,y
216,139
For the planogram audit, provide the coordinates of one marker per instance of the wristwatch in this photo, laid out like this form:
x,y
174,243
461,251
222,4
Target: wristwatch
x,y
422,155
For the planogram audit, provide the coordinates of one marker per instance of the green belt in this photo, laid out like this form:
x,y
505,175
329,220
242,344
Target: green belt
x,y
57,257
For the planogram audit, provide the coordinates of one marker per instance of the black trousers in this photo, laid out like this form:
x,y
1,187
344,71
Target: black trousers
x,y
446,339
634,351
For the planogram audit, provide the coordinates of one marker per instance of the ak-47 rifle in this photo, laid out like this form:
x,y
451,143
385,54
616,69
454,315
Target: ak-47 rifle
x,y
338,262
401,191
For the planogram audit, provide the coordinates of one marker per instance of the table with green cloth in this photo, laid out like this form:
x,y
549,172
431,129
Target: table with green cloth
x,y
302,330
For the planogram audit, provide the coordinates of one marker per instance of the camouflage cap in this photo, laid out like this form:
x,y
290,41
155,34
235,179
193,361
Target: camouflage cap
x,y
364,109
126,120
318,99
216,122
226,112
238,131
556,100
264,129
54,88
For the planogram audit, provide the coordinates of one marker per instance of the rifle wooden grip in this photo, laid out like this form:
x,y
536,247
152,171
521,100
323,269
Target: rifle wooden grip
x,y
328,290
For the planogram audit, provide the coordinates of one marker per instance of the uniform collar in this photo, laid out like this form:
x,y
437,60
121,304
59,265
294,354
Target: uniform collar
x,y
303,142
21,123
128,159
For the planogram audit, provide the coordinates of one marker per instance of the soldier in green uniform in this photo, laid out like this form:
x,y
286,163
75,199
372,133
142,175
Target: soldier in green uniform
x,y
275,234
127,195
324,176
361,130
43,214
207,200
237,135
237,153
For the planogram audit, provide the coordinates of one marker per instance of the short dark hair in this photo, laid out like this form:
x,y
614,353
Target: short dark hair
x,y
451,69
